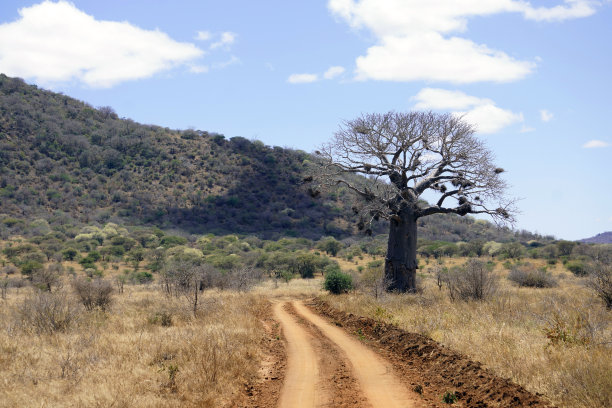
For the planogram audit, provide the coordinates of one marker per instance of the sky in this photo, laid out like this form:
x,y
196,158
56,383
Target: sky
x,y
532,76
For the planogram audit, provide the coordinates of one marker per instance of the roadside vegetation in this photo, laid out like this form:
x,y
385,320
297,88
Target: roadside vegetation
x,y
136,316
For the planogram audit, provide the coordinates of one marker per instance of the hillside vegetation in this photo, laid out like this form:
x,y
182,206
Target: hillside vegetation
x,y
68,163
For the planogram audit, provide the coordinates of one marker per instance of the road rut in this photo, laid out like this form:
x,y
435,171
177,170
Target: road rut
x,y
304,385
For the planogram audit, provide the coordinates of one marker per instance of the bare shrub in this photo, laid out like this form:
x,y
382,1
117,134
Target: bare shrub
x,y
528,275
600,282
48,278
9,270
374,281
472,281
242,279
183,278
45,312
93,294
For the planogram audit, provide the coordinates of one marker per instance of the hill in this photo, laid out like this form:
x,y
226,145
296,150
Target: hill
x,y
603,238
67,162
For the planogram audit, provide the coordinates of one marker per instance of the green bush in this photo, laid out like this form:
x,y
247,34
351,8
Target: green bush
x,y
338,282
141,277
449,397
30,267
69,254
578,268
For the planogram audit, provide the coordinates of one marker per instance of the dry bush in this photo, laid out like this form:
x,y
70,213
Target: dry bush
x,y
472,281
96,293
373,281
48,277
528,275
45,312
600,282
244,278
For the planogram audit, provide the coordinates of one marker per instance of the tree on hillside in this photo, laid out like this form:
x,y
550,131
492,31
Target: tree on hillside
x,y
402,156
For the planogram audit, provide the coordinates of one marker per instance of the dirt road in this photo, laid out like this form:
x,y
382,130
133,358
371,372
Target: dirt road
x,y
372,379
300,386
317,356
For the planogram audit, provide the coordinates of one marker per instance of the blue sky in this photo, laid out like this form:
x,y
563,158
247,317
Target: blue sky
x,y
533,76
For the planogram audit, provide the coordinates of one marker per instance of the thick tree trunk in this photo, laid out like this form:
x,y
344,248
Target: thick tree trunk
x,y
401,263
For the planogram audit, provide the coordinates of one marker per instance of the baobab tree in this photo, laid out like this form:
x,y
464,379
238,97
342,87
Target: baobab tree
x,y
391,160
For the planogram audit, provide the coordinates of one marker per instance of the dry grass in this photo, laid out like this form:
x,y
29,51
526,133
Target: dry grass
x,y
555,341
295,288
146,351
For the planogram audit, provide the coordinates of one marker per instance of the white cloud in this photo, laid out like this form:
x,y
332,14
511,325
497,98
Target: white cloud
x,y
443,99
232,61
302,78
56,42
227,39
595,144
203,36
489,118
333,72
546,116
481,112
413,41
526,129
199,69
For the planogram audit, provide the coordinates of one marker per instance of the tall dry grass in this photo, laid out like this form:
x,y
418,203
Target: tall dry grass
x,y
555,341
145,351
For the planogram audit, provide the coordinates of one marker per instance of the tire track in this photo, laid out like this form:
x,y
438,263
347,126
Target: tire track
x,y
375,376
336,380
302,374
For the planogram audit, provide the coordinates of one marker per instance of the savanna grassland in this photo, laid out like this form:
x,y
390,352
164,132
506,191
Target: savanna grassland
x,y
555,341
145,350
149,348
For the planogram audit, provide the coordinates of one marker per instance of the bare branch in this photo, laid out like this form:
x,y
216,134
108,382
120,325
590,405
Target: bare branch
x,y
390,160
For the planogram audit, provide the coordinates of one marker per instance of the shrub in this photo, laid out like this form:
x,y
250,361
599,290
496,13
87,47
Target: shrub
x,y
330,245
30,267
47,278
576,267
69,254
93,293
530,276
45,312
141,277
163,318
306,265
472,281
449,397
601,282
338,282
332,267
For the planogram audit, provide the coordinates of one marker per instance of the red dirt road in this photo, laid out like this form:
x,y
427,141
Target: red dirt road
x,y
321,357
